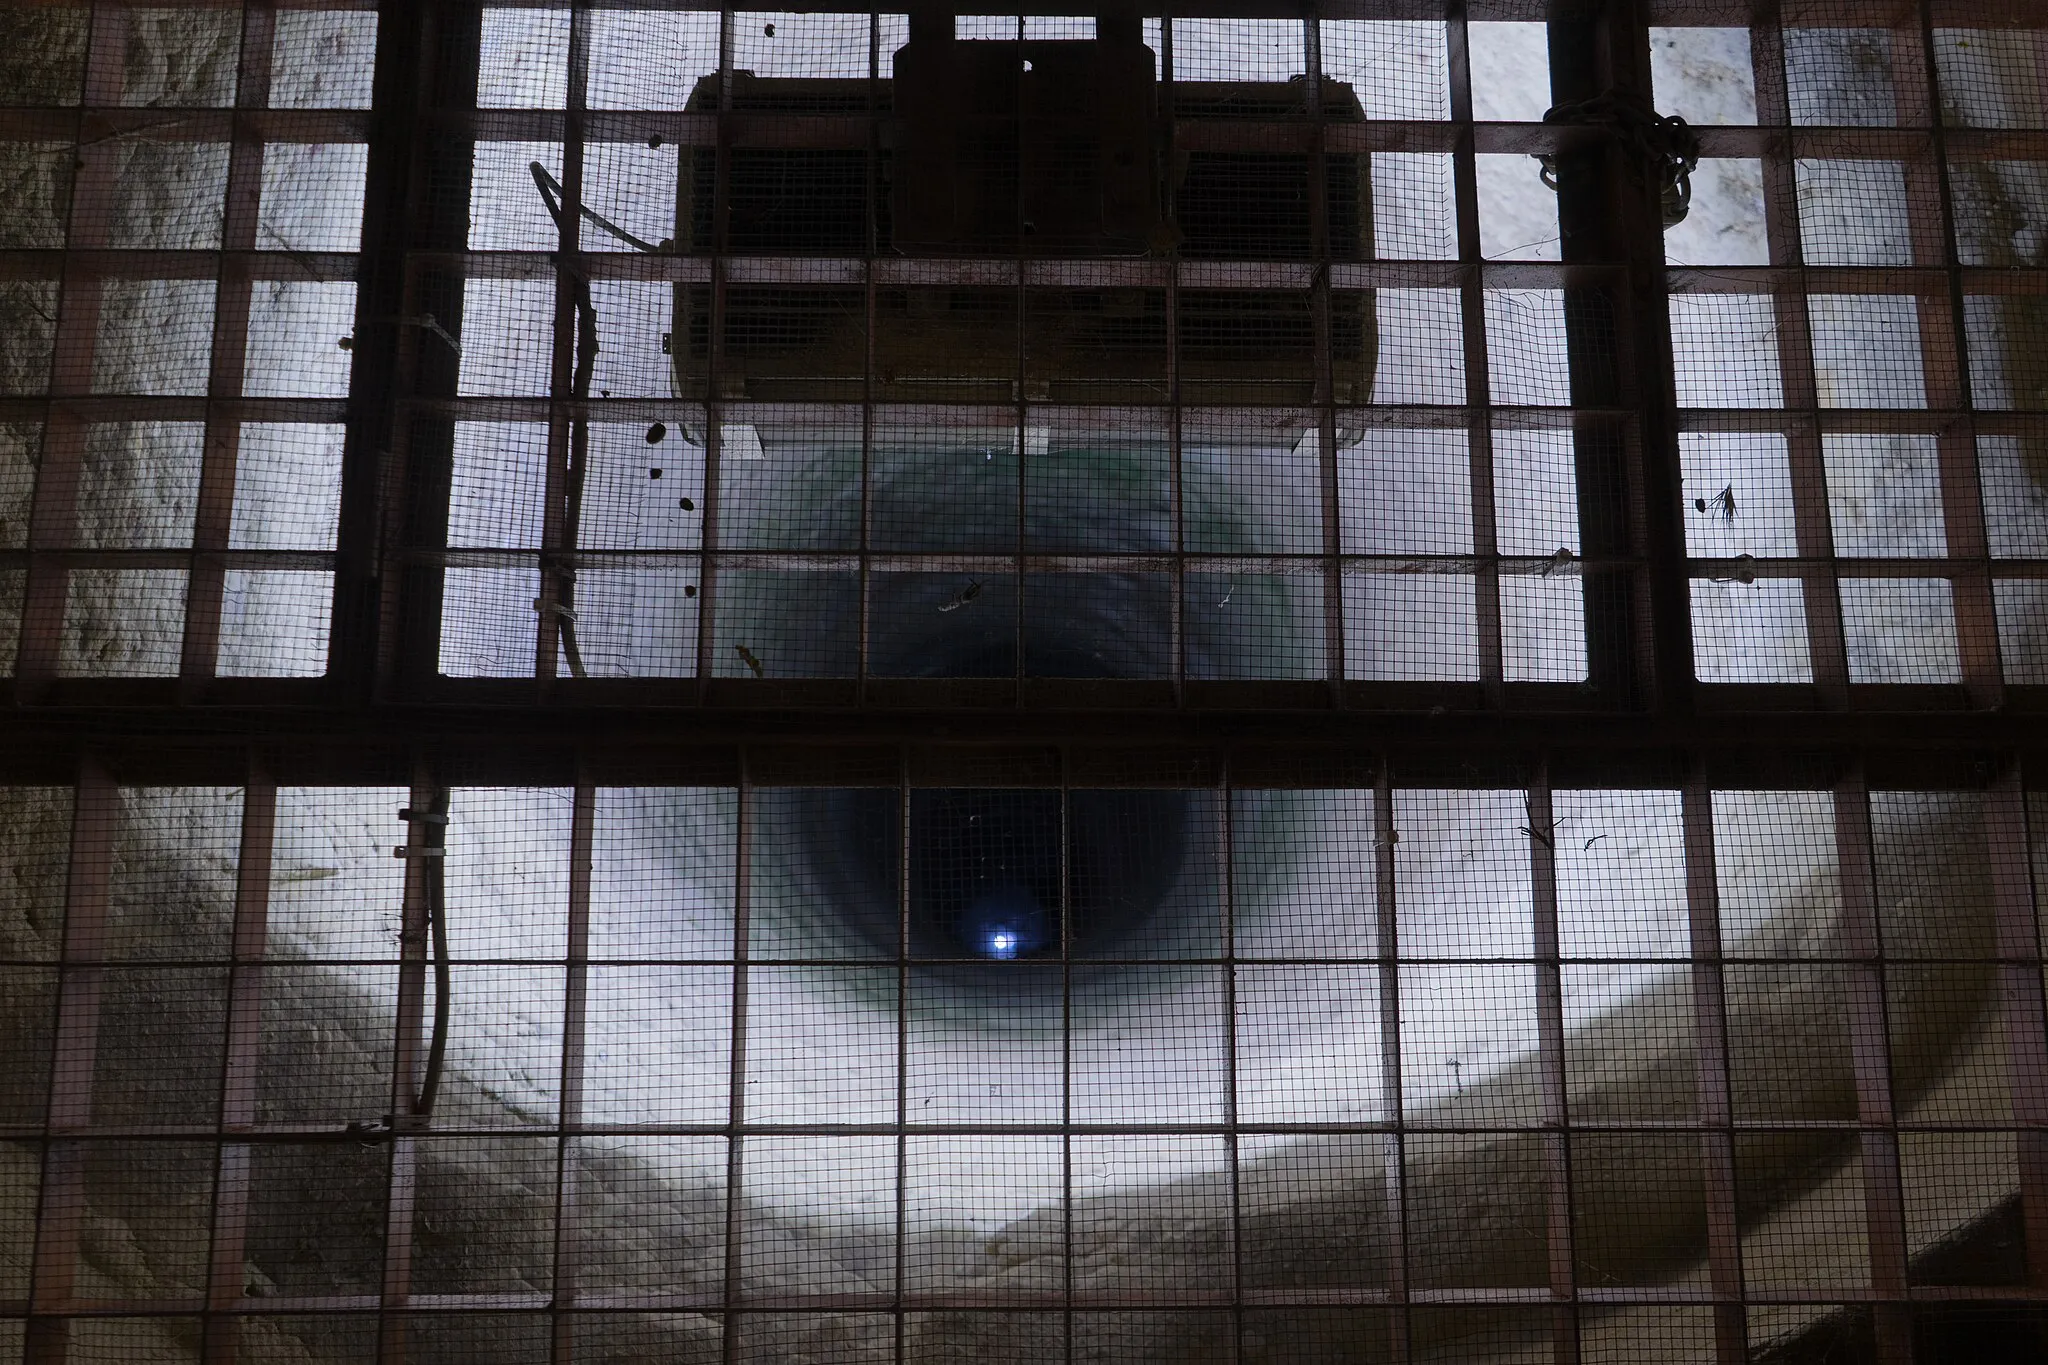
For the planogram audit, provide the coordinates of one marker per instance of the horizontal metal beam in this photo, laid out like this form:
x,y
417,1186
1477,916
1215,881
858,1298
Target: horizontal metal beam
x,y
1010,747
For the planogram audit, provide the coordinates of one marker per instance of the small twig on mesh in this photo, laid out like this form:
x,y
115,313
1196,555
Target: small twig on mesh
x,y
137,131
28,297
428,322
301,259
1546,836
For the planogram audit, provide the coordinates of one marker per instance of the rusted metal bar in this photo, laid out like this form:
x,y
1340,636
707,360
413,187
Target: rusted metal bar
x,y
1602,207
1478,373
872,189
61,465
1096,416
575,998
1653,515
2008,843
734,1281
407,482
1176,417
1541,832
409,1056
900,1278
714,387
933,20
1387,948
1710,1033
1225,832
101,264
1826,649
242,1058
1325,391
640,727
184,125
250,948
61,1215
1931,215
304,1133
1870,1052
233,297
1069,1298
127,408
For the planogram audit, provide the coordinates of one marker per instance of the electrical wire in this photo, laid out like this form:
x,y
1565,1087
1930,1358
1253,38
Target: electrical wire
x,y
430,851
552,195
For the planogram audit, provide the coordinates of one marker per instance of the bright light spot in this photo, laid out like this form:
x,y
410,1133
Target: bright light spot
x,y
1002,943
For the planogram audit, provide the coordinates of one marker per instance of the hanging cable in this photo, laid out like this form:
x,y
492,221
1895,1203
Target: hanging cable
x,y
434,882
429,850
551,194
556,200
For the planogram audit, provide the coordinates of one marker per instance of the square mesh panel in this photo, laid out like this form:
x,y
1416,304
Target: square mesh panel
x,y
753,685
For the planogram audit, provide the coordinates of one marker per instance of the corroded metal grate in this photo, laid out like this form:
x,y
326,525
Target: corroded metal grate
x,y
1242,705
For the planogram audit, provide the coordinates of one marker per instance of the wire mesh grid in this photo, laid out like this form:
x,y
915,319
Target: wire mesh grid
x,y
1242,360
186,211
844,272
1853,146
1870,179
887,1072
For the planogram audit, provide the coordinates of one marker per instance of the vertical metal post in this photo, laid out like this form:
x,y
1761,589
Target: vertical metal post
x,y
1022,394
1387,948
1716,1101
1478,373
736,1074
1066,1058
60,468
81,982
1812,526
714,371
244,1056
1226,835
1654,513
409,1054
1556,1134
1599,196
870,362
575,1016
233,298
417,476
1930,204
900,1279
363,656
2009,841
1325,393
1166,141
1870,1051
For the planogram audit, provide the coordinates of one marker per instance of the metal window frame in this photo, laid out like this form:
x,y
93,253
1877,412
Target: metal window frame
x,y
383,715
